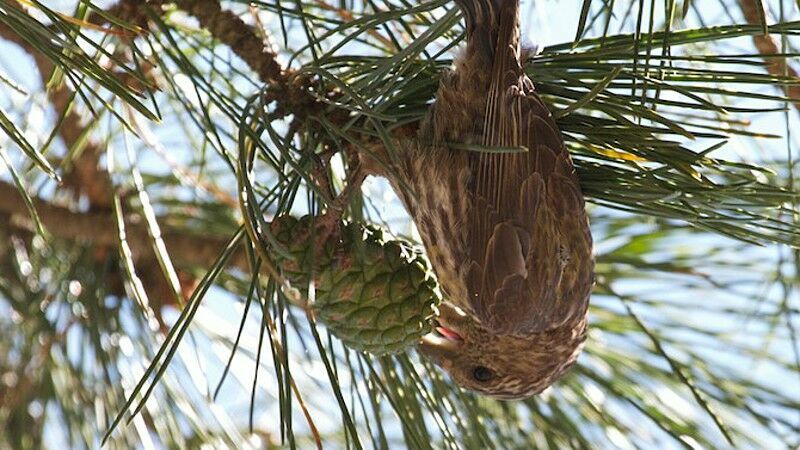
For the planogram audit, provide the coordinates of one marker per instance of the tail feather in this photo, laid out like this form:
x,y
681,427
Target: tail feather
x,y
485,16
483,75
478,14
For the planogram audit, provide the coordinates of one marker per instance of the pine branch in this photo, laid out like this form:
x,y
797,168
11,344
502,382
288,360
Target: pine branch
x,y
290,91
83,173
99,228
768,46
85,176
298,95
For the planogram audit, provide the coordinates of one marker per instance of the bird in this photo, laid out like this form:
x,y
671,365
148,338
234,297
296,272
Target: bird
x,y
492,189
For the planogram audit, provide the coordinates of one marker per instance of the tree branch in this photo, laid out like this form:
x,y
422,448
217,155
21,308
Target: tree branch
x,y
768,45
99,228
84,177
292,93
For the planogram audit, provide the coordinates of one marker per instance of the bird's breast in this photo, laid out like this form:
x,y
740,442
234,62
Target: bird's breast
x,y
437,200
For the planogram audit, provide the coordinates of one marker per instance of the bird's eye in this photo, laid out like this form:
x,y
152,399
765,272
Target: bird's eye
x,y
482,373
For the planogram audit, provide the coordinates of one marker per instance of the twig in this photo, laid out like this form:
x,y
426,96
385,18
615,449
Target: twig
x,y
99,228
767,46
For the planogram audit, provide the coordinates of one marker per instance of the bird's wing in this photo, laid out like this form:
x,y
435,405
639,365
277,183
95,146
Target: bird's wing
x,y
529,243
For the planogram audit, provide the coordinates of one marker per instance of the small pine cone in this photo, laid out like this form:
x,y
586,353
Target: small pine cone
x,y
374,295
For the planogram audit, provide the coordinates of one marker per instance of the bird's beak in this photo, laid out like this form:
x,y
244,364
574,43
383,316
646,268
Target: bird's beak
x,y
447,338
438,349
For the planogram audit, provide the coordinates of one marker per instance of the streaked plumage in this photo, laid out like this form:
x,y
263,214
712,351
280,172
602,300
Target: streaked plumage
x,y
507,233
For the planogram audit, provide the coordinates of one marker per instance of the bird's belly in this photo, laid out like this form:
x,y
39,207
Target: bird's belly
x,y
439,206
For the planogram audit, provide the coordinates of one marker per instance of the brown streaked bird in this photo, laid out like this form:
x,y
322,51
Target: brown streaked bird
x,y
507,233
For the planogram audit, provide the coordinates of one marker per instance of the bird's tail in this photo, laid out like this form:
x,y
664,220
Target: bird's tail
x,y
490,25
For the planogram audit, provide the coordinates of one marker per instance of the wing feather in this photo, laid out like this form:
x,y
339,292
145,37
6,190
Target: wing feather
x,y
530,247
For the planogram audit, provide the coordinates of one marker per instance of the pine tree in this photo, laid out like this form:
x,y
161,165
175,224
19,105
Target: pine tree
x,y
146,146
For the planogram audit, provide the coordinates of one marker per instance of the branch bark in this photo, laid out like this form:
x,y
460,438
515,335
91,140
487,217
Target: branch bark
x,y
100,229
291,92
768,45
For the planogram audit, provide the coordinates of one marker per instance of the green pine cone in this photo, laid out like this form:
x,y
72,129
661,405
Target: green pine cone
x,y
374,295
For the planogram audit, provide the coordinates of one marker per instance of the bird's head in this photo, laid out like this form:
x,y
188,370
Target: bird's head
x,y
505,367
